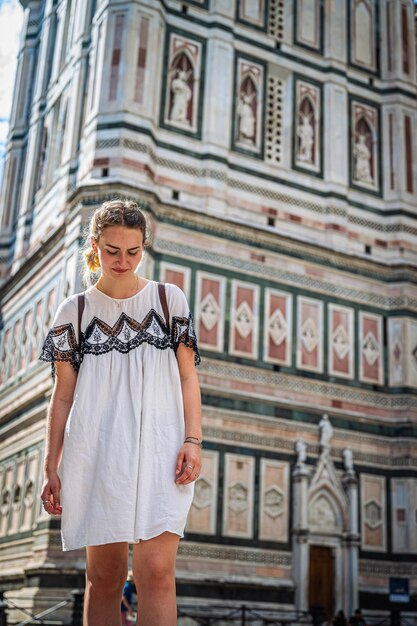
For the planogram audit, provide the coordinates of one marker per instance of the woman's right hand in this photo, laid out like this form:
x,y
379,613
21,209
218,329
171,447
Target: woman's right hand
x,y
50,494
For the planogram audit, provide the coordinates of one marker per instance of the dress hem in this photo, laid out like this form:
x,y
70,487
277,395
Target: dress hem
x,y
144,537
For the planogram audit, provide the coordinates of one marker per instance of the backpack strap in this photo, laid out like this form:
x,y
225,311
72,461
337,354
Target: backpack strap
x,y
163,301
81,304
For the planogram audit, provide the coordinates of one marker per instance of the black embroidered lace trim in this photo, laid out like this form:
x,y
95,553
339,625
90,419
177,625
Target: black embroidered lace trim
x,y
183,332
126,334
61,345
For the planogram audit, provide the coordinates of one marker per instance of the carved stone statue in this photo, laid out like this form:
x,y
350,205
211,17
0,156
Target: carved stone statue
x,y
326,431
182,96
246,118
362,156
301,449
305,132
348,460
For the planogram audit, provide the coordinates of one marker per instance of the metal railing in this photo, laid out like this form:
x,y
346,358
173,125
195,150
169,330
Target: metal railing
x,y
41,618
240,616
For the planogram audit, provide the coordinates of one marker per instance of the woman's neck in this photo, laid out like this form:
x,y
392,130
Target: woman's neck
x,y
123,287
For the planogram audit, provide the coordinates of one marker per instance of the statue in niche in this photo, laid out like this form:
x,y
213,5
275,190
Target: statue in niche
x,y
246,118
305,132
181,96
348,460
246,111
326,432
301,449
362,155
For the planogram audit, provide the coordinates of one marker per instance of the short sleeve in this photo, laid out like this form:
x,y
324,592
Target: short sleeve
x,y
182,326
61,342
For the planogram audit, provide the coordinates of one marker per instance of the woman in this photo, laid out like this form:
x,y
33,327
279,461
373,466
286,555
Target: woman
x,y
123,443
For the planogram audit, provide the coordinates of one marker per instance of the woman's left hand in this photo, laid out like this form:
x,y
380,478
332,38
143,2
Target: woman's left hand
x,y
188,464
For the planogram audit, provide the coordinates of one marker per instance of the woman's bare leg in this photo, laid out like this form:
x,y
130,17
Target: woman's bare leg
x,y
105,575
154,574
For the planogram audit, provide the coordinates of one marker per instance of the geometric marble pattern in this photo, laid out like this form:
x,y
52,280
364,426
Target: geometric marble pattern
x,y
373,512
278,328
370,348
309,335
244,319
341,336
210,311
340,342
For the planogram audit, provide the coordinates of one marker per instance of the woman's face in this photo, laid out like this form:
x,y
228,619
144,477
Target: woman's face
x,y
120,250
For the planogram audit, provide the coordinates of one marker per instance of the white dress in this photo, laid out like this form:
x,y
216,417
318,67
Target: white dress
x,y
126,423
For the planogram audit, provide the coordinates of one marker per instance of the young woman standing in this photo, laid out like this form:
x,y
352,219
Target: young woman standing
x,y
123,443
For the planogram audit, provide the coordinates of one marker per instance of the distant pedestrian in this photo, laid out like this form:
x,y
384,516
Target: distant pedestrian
x,y
339,619
127,606
357,619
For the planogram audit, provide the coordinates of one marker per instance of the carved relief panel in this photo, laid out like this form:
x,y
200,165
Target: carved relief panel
x,y
364,146
307,152
177,275
274,508
238,492
183,89
373,512
244,325
309,334
370,348
278,327
211,290
203,513
341,341
248,106
362,26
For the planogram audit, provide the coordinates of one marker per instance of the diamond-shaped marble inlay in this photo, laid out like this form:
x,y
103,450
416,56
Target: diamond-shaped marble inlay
x,y
278,327
210,311
397,350
238,498
273,503
309,335
370,348
373,514
244,319
203,492
340,342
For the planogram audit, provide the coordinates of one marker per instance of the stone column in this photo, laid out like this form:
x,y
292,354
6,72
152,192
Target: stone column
x,y
300,536
350,483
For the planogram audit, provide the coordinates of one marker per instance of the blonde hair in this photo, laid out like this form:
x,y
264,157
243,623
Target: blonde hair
x,y
112,213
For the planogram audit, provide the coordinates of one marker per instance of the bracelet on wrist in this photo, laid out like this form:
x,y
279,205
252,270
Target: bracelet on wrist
x,y
194,440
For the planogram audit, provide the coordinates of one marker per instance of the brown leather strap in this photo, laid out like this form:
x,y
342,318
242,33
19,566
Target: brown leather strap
x,y
81,303
163,301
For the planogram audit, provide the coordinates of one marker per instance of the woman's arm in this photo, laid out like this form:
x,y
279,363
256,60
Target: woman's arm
x,y
59,408
189,455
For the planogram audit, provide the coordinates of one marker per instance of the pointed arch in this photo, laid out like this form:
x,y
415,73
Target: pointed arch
x,y
327,511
